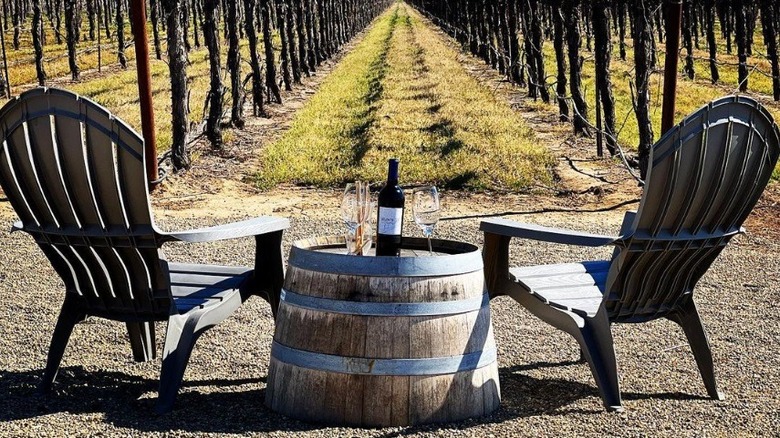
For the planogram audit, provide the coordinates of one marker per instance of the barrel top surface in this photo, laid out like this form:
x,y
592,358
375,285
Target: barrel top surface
x,y
328,254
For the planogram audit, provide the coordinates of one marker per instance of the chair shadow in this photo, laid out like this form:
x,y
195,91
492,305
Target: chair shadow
x,y
124,401
548,396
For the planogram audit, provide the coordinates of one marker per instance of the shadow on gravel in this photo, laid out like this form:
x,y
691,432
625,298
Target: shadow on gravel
x,y
117,397
127,401
528,396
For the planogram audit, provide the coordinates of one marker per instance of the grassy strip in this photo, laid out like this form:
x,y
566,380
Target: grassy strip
x,y
328,137
402,93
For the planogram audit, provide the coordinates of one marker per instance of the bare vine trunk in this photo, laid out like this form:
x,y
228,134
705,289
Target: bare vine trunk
x,y
177,67
300,30
574,39
234,65
120,35
211,39
687,32
769,22
16,20
514,44
281,14
195,22
621,7
37,25
603,46
57,21
560,62
154,7
311,34
712,46
741,37
257,75
270,56
537,55
71,38
91,19
295,65
642,47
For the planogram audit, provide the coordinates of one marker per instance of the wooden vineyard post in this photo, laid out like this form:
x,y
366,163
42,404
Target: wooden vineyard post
x,y
673,24
145,88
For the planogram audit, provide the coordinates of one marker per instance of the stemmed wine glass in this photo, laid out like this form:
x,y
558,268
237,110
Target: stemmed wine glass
x,y
426,211
349,210
356,212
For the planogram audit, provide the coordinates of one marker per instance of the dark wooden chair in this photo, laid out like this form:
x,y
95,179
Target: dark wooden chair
x,y
75,176
706,175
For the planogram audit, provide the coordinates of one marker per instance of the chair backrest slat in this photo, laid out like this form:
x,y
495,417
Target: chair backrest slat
x,y
102,168
705,176
71,141
21,160
76,176
698,156
751,191
671,169
13,188
45,149
733,176
129,167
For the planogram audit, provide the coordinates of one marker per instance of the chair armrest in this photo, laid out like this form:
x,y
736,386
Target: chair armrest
x,y
508,228
249,227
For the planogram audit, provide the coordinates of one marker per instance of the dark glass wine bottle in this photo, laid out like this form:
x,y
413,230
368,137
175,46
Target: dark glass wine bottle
x,y
391,214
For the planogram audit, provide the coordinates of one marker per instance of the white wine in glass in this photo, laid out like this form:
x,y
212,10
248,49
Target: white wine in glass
x,y
426,211
349,207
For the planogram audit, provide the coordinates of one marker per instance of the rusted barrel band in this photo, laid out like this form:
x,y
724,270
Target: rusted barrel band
x,y
362,308
383,367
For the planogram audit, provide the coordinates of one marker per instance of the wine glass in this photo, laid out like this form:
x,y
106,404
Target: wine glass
x,y
349,214
426,211
368,224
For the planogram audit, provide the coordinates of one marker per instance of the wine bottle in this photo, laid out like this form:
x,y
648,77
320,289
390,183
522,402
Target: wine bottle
x,y
391,214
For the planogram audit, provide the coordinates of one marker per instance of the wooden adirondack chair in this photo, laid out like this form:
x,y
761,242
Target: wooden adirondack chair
x,y
706,175
75,176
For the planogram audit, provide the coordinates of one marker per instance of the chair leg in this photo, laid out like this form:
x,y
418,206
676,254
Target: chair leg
x,y
269,268
142,340
688,318
179,340
596,344
70,315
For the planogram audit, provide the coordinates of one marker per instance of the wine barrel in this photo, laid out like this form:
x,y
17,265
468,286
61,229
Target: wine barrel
x,y
383,341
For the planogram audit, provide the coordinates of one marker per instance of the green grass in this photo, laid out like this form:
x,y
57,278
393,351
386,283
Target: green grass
x,y
402,93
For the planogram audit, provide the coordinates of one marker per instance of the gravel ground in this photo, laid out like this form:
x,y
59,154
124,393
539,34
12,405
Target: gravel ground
x,y
545,392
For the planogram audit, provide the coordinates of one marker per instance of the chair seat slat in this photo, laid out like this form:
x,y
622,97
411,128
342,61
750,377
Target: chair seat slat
x,y
575,287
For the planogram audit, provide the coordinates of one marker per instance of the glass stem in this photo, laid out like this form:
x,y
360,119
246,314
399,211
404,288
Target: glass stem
x,y
430,249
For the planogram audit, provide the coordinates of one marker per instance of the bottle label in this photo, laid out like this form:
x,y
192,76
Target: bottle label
x,y
390,221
